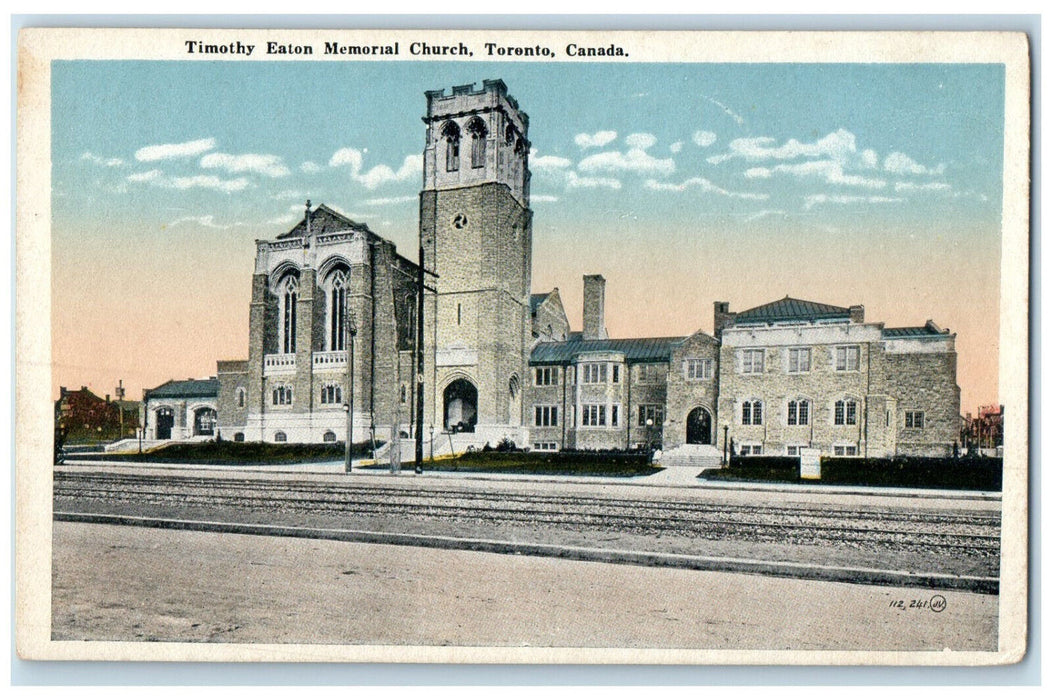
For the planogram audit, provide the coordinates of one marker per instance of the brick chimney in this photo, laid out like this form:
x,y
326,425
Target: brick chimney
x,y
594,307
857,313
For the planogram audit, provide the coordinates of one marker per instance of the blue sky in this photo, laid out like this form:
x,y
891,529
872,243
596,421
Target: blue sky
x,y
874,184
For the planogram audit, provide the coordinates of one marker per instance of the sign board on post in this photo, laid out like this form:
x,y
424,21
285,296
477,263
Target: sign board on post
x,y
810,463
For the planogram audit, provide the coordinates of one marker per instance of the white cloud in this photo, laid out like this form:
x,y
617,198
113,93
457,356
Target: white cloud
x,y
99,160
412,166
174,150
575,181
384,201
634,160
543,198
640,141
207,221
549,164
675,147
596,140
145,176
816,199
309,166
703,138
829,170
726,110
755,216
702,184
839,145
902,164
259,163
208,182
921,187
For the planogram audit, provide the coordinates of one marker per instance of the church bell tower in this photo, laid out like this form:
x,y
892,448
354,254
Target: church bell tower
x,y
476,232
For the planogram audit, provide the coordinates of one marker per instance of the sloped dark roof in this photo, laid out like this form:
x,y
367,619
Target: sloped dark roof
x,y
325,220
634,349
190,388
789,309
911,332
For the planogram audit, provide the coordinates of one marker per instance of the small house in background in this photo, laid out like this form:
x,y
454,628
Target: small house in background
x,y
83,417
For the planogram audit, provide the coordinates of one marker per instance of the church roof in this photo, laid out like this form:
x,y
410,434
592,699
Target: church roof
x,y
325,220
789,309
190,388
536,300
634,349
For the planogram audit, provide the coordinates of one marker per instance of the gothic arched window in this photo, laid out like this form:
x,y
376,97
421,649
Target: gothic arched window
x,y
451,133
752,412
337,296
477,129
289,292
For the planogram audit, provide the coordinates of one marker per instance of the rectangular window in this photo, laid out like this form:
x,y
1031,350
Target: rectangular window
x,y
617,373
698,370
651,412
545,376
752,413
845,450
593,415
847,358
613,415
545,416
651,373
593,373
799,413
914,419
751,449
546,446
845,412
794,450
752,361
799,360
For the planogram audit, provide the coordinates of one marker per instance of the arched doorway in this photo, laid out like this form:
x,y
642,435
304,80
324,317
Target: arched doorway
x,y
699,427
205,421
460,400
165,421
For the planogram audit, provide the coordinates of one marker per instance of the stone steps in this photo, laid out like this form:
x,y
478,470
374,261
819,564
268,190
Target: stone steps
x,y
693,456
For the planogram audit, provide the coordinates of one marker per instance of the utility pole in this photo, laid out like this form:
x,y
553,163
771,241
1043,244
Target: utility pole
x,y
418,462
119,393
351,330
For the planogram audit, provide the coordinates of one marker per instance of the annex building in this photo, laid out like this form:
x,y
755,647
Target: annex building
x,y
501,362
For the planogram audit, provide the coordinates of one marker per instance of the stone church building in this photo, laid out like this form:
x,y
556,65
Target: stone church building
x,y
501,362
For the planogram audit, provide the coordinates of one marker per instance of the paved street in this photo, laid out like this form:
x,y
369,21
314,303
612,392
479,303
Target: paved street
x,y
137,584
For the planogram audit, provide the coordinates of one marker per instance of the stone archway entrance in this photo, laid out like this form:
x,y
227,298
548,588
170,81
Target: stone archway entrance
x,y
460,406
165,421
205,421
699,427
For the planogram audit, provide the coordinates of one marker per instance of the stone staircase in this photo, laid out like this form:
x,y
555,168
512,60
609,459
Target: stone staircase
x,y
691,456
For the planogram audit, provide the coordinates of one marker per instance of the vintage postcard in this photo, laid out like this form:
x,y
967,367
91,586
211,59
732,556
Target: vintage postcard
x,y
527,347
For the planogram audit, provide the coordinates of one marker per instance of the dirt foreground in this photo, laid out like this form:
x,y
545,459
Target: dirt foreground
x,y
117,583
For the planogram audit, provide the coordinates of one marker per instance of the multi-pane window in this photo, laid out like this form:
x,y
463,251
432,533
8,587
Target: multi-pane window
x,y
752,361
845,450
654,412
794,450
332,394
593,373
799,412
477,129
338,310
282,395
545,416
240,397
845,412
750,449
451,133
698,369
545,376
914,419
546,446
593,414
752,412
847,358
799,360
651,373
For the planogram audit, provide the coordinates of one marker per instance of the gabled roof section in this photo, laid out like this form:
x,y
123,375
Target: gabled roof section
x,y
536,300
325,220
634,349
789,309
190,388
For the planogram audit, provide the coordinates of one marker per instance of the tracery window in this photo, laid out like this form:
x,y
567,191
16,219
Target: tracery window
x,y
477,129
337,296
288,295
752,412
332,393
451,133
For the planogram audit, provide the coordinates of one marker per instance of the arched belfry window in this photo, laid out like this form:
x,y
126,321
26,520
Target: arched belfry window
x,y
509,135
451,133
477,129
337,295
288,294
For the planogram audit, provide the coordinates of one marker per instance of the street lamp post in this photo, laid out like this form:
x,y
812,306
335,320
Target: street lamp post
x,y
726,428
650,439
352,331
